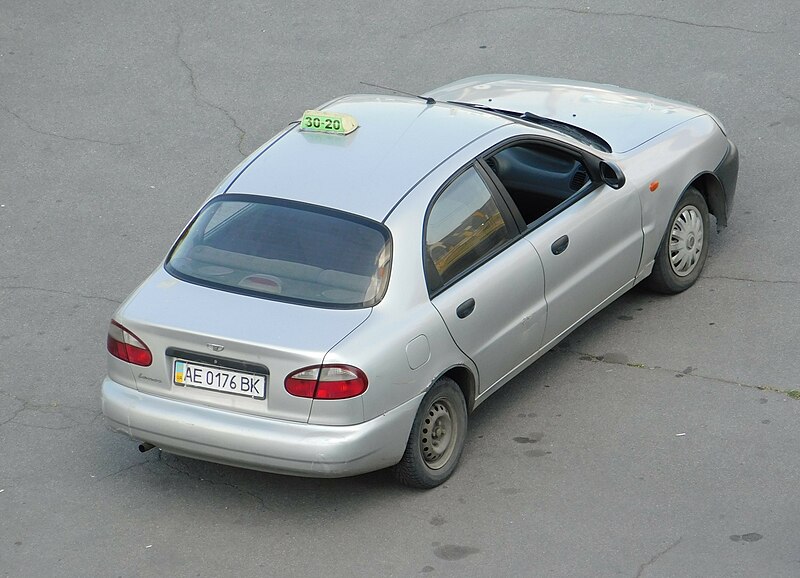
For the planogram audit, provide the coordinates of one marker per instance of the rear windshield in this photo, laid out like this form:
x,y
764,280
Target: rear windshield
x,y
285,251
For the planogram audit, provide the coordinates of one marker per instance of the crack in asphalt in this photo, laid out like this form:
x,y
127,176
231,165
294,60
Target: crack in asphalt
x,y
185,473
30,127
256,497
601,359
53,408
198,98
122,470
589,12
652,560
771,281
58,292
14,416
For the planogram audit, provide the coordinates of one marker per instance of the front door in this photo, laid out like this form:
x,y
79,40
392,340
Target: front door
x,y
588,235
590,252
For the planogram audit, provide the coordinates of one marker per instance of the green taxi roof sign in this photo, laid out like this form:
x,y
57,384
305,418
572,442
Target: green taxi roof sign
x,y
330,122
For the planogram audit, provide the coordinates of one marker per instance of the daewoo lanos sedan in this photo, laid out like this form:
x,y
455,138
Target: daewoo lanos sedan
x,y
374,272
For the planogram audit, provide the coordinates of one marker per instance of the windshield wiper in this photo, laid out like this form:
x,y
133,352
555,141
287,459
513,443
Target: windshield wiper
x,y
576,132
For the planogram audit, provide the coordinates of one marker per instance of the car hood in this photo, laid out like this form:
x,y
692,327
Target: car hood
x,y
623,118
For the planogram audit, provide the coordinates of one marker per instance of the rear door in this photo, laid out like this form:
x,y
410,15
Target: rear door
x,y
486,281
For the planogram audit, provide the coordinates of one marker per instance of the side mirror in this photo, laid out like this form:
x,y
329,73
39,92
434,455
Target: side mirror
x,y
611,175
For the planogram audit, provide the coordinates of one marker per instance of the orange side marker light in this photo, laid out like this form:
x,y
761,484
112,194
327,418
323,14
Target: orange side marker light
x,y
653,186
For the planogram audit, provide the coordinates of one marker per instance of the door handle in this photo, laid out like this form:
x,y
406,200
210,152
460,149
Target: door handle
x,y
465,308
559,245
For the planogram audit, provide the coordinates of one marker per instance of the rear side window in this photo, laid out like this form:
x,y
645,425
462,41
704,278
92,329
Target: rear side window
x,y
464,226
285,251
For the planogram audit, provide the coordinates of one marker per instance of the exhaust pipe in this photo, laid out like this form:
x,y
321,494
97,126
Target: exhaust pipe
x,y
145,447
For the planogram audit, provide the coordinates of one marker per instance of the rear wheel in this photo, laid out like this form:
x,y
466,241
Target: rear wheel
x,y
437,437
683,251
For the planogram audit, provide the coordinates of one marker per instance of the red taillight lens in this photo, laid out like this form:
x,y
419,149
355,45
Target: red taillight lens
x,y
327,382
124,345
302,383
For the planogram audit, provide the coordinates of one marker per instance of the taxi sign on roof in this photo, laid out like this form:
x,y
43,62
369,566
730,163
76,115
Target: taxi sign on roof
x,y
332,122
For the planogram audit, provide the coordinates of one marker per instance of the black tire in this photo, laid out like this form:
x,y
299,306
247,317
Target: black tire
x,y
679,261
437,437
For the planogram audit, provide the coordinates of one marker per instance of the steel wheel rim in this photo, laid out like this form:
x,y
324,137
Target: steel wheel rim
x,y
686,241
438,434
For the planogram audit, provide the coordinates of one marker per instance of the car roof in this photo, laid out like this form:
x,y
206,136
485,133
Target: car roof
x,y
399,140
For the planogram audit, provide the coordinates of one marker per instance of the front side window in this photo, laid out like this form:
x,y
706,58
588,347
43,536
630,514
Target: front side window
x,y
539,178
464,225
285,251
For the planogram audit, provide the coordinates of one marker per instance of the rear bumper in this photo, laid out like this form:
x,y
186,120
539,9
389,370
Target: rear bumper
x,y
259,443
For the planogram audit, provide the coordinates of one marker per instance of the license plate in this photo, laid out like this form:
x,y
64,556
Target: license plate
x,y
194,374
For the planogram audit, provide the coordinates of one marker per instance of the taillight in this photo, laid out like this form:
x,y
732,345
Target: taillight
x,y
124,345
327,382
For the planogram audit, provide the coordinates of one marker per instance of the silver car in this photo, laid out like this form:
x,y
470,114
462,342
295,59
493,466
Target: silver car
x,y
368,277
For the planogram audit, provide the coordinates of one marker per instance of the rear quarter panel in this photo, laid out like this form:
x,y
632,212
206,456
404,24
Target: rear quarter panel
x,y
380,345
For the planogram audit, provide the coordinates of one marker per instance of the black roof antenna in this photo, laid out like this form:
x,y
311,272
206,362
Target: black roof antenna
x,y
427,99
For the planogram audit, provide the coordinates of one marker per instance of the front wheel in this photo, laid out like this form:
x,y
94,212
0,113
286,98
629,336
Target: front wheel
x,y
437,437
683,251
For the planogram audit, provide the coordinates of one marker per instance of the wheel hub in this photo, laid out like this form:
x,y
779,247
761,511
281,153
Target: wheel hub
x,y
437,435
686,241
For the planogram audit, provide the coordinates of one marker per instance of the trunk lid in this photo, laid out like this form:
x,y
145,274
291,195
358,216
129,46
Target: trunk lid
x,y
180,320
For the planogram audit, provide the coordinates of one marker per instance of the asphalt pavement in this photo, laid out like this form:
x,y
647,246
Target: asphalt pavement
x,y
660,439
